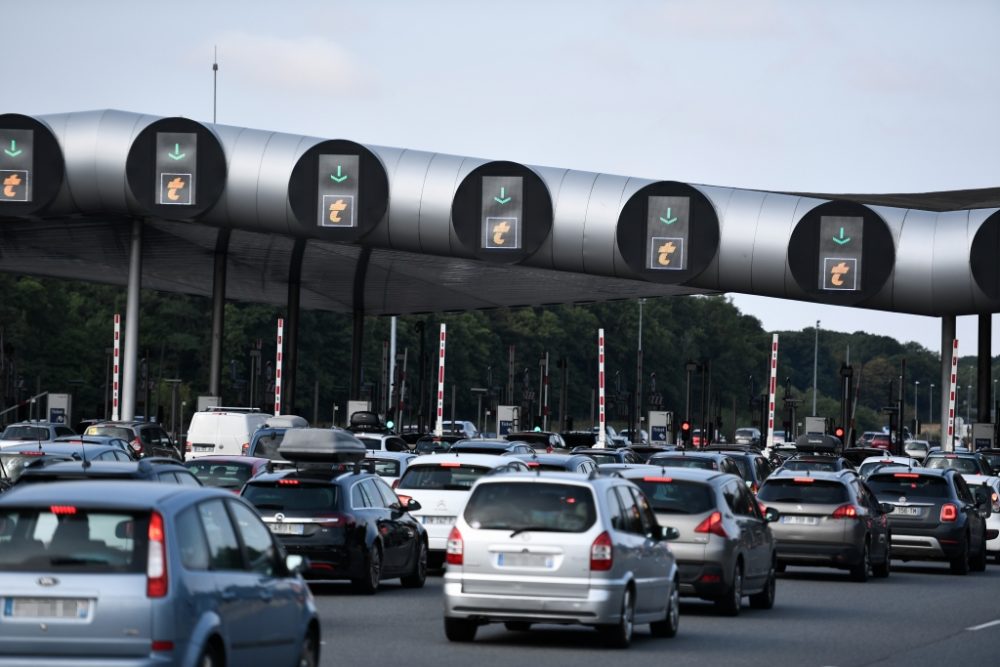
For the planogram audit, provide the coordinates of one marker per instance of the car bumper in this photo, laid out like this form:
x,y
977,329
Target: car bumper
x,y
330,562
824,554
941,543
708,581
61,661
602,605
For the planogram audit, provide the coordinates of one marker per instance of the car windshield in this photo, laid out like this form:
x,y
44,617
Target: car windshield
x,y
562,508
444,476
65,538
684,462
21,432
291,495
12,464
220,475
813,491
963,465
113,431
386,467
267,445
910,485
676,496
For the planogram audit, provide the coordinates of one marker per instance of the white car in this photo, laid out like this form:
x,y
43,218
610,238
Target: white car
x,y
390,466
993,521
221,430
441,484
873,463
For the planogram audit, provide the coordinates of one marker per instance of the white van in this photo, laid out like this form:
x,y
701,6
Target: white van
x,y
224,431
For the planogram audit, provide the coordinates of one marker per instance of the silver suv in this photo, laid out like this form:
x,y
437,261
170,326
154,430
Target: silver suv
x,y
560,548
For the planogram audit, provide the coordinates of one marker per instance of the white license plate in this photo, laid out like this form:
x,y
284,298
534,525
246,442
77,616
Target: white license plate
x,y
287,528
204,448
907,511
65,608
799,520
438,520
524,560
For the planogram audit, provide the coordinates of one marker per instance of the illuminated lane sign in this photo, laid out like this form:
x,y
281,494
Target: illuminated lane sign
x,y
502,212
667,232
16,164
176,168
337,194
840,253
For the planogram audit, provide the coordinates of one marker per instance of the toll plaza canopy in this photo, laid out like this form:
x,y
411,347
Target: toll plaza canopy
x,y
388,230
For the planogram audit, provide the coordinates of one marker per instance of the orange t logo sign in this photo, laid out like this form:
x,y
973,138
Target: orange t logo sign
x,y
173,186
837,273
10,184
498,233
336,208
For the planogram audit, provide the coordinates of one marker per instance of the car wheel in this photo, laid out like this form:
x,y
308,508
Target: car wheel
x,y
780,567
863,569
368,584
419,575
210,657
977,563
517,626
882,569
619,635
765,599
960,563
668,626
731,601
309,655
460,629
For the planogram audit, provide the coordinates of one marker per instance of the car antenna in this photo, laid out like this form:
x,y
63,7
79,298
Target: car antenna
x,y
83,454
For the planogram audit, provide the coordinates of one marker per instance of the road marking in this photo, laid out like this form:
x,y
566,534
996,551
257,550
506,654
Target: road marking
x,y
984,626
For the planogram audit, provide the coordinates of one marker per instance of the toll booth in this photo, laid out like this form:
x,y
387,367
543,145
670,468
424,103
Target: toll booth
x,y
60,409
661,427
508,419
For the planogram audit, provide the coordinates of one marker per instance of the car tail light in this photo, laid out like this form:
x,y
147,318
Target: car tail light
x,y
949,512
156,560
906,475
847,511
162,645
135,445
754,488
803,480
288,482
62,509
665,480
395,483
246,448
404,499
713,524
455,548
996,502
602,555
451,464
762,507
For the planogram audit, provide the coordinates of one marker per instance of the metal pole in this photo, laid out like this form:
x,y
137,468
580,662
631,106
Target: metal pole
x,y
916,408
984,369
947,339
215,79
389,405
130,358
930,405
815,366
636,429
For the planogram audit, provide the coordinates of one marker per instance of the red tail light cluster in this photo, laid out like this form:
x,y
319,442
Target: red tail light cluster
x,y
713,525
156,559
602,555
136,445
949,512
455,548
847,511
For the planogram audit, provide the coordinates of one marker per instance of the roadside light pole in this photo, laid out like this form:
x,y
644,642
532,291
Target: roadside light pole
x,y
916,408
815,366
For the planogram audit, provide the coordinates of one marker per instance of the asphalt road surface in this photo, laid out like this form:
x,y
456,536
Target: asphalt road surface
x,y
921,615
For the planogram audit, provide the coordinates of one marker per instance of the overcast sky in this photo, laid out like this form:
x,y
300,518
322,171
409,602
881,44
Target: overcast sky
x,y
801,95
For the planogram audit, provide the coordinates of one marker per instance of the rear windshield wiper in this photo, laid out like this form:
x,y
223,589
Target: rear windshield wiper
x,y
543,529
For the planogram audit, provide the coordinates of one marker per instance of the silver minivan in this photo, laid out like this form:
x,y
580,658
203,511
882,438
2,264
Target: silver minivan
x,y
561,548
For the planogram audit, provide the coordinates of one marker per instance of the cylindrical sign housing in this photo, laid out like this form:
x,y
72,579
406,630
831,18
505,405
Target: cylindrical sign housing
x,y
668,232
841,253
502,212
338,190
984,254
31,165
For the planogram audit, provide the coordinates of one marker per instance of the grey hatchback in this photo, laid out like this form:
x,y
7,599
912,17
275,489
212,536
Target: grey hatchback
x,y
132,573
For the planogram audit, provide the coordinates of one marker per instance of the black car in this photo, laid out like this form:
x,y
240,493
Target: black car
x,y
609,455
164,470
992,457
754,466
436,444
967,463
936,516
817,462
558,462
498,447
145,438
646,451
704,460
542,441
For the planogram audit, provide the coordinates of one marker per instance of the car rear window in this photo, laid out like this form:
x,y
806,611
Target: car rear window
x,y
743,464
267,446
561,508
25,433
826,466
386,467
965,466
479,449
444,476
815,491
220,475
911,485
65,538
113,431
431,446
291,495
676,496
684,462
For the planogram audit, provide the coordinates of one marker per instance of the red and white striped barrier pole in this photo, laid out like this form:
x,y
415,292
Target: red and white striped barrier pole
x,y
949,444
601,442
116,368
439,423
772,388
277,366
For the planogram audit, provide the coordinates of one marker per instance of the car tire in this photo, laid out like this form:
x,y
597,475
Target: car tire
x,y
732,600
210,657
765,599
368,584
977,563
780,568
960,563
862,570
667,628
309,655
619,635
460,629
417,578
435,562
517,626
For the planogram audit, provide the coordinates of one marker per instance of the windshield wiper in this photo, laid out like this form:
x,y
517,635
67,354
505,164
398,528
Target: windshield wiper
x,y
543,529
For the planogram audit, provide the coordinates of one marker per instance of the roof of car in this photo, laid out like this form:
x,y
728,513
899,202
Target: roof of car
x,y
489,460
686,474
549,458
104,468
931,472
230,458
396,456
826,475
682,453
65,448
479,442
599,450
888,459
534,477
124,494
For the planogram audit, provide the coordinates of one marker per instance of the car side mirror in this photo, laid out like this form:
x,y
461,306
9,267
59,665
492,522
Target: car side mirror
x,y
296,564
886,508
771,515
412,505
668,533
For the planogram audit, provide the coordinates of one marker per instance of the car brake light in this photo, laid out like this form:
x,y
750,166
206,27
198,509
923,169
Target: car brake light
x,y
450,464
847,511
949,512
246,448
754,488
602,555
404,499
906,475
395,483
762,507
288,482
62,509
996,503
455,547
803,480
713,524
156,560
532,464
32,452
187,445
665,480
136,445
162,645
